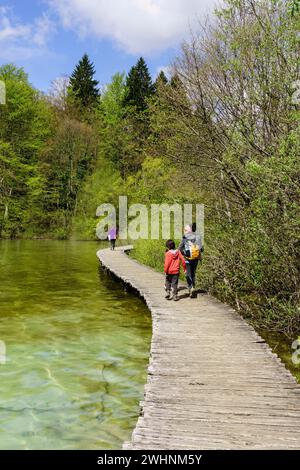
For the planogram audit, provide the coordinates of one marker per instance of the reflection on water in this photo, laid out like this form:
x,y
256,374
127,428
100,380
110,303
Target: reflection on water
x,y
76,349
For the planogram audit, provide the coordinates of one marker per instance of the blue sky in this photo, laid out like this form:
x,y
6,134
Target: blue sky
x,y
48,37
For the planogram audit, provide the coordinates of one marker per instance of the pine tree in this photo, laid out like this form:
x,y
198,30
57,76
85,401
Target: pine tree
x,y
175,82
83,86
160,81
139,86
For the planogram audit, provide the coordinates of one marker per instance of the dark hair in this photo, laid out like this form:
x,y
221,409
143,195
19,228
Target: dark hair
x,y
170,245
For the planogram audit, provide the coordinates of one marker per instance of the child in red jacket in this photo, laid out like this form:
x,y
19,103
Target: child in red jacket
x,y
173,259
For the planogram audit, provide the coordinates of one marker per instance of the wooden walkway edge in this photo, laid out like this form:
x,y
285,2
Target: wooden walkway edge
x,y
213,382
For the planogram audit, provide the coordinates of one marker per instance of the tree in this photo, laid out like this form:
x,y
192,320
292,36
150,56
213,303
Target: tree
x,y
112,111
83,86
112,100
161,81
139,86
13,178
25,124
230,122
63,165
58,94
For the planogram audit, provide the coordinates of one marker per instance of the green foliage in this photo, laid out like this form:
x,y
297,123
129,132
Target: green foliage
x,y
83,87
104,185
139,86
151,184
112,100
45,156
112,111
161,81
294,7
150,252
25,123
24,119
63,165
14,175
229,125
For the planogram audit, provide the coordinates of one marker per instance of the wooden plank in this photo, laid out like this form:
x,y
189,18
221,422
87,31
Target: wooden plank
x,y
213,382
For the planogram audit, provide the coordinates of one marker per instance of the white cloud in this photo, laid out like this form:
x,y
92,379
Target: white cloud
x,y
22,40
136,26
42,30
10,32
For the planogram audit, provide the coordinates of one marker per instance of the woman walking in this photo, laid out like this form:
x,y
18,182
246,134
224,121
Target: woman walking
x,y
112,237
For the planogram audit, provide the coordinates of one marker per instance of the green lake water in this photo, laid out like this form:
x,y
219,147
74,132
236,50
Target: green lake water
x,y
77,349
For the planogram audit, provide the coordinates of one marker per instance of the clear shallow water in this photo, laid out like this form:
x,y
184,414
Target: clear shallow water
x,y
77,349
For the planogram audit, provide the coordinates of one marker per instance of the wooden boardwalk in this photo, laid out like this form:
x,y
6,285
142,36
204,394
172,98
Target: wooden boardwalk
x,y
213,383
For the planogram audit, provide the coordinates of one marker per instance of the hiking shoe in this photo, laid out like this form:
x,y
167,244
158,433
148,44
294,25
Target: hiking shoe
x,y
192,293
168,296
